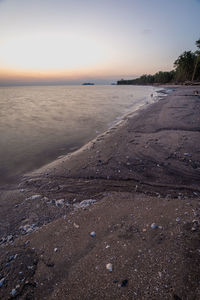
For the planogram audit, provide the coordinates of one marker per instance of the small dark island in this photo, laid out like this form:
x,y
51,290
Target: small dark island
x,y
87,83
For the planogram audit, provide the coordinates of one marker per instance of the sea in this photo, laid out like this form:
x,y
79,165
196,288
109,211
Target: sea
x,y
40,123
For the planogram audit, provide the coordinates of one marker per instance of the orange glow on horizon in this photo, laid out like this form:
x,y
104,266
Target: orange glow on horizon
x,y
13,74
65,56
78,74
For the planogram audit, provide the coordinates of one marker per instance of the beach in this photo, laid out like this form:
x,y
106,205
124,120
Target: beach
x,y
129,198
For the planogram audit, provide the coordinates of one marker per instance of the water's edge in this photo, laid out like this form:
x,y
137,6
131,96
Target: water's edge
x,y
160,94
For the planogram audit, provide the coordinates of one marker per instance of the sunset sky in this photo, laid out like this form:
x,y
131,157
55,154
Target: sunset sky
x,y
78,40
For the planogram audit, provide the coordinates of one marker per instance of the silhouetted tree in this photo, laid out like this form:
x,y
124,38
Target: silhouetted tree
x,y
164,77
159,77
187,68
184,66
197,61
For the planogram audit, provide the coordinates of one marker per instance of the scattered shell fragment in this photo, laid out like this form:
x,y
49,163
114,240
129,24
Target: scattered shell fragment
x,y
60,202
109,267
76,225
34,197
85,203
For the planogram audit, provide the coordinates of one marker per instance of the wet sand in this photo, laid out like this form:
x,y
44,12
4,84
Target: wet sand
x,y
145,170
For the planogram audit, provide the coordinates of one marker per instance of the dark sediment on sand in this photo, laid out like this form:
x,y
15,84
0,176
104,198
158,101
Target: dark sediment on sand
x,y
145,170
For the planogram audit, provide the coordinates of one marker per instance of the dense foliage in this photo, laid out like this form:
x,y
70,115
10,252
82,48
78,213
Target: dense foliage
x,y
186,69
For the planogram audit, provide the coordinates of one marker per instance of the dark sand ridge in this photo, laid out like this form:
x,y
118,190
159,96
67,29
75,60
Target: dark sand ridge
x,y
144,171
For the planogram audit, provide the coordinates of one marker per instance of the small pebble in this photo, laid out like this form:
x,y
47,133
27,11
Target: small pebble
x,y
13,292
194,229
11,258
55,249
9,238
187,154
30,267
124,283
109,267
154,226
2,282
92,234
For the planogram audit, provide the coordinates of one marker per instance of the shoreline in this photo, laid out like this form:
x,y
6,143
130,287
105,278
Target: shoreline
x,y
13,172
143,171
119,121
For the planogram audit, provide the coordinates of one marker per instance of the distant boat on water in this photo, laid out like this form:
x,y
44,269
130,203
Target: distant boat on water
x,y
88,83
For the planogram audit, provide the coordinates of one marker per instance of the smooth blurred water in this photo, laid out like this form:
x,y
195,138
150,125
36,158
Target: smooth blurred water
x,y
40,123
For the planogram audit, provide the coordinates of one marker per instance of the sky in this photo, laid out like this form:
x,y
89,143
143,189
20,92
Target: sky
x,y
73,41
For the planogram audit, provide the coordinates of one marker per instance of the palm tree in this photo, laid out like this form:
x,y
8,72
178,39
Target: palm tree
x,y
197,58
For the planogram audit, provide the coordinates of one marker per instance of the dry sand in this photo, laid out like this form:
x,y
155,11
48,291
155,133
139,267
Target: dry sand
x,y
145,170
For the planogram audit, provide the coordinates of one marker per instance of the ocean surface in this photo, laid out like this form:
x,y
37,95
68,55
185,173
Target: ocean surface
x,y
40,123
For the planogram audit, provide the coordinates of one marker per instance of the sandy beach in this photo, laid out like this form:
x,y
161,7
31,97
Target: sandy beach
x,y
117,219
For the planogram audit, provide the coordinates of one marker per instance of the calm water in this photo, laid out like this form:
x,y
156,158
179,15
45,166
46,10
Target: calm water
x,y
38,124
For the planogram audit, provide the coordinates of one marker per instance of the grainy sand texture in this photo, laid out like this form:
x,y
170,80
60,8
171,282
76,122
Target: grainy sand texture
x,y
140,180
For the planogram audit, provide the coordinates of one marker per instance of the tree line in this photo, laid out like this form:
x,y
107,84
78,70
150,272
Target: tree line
x,y
186,70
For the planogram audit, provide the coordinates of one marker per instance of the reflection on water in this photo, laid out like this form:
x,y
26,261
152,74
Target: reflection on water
x,y
39,123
